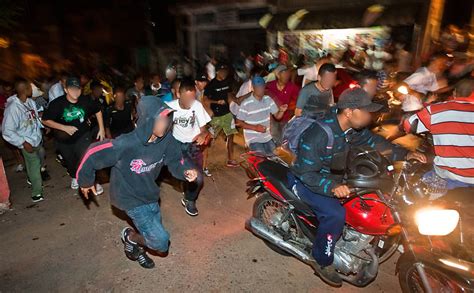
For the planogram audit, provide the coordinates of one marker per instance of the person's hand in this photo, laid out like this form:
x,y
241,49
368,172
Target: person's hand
x,y
201,138
260,128
221,102
190,175
283,108
417,156
342,191
69,129
85,191
101,135
27,147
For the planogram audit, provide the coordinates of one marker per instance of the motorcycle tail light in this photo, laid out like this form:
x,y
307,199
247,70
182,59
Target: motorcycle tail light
x,y
393,230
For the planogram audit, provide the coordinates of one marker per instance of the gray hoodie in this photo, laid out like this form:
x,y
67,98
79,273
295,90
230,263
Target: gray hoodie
x,y
21,123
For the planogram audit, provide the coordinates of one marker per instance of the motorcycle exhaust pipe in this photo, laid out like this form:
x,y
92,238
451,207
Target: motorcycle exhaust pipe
x,y
261,230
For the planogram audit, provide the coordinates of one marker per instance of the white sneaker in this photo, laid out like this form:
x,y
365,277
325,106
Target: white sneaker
x,y
99,189
19,168
74,184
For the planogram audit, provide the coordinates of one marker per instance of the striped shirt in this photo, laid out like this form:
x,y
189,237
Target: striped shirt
x,y
452,126
257,112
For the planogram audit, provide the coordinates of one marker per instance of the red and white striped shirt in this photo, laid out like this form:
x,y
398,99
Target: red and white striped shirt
x,y
452,126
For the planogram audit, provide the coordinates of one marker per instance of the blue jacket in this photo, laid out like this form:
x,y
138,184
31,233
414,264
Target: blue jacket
x,y
313,163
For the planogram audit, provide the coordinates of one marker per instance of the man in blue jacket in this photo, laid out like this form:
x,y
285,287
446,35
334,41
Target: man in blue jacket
x,y
136,159
317,174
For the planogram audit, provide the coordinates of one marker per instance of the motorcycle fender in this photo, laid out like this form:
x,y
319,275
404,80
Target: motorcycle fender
x,y
254,188
461,277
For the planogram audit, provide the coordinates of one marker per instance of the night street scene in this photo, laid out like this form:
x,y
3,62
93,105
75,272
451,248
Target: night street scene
x,y
237,146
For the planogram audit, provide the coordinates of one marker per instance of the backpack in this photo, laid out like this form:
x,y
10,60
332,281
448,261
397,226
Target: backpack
x,y
295,128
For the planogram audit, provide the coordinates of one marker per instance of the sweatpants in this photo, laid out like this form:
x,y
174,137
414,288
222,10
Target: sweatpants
x,y
195,153
73,152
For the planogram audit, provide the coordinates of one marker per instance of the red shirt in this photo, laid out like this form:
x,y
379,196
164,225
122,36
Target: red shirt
x,y
287,96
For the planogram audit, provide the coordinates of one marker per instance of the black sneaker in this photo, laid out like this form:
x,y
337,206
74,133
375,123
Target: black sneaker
x,y
190,207
37,198
144,260
328,274
131,249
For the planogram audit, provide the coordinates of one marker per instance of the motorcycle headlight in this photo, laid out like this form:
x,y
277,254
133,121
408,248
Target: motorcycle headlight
x,y
437,222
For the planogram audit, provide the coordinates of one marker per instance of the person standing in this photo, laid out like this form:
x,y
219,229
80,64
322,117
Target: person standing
x,y
21,127
118,116
189,128
317,97
217,96
68,116
283,92
254,117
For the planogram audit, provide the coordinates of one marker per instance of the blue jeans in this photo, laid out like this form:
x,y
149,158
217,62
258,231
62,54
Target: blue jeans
x,y
147,220
265,148
450,183
331,217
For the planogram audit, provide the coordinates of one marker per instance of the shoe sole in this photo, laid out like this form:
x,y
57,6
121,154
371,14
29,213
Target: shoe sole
x,y
101,192
187,212
37,200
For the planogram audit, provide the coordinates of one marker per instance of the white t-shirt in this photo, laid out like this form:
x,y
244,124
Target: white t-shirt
x,y
188,122
423,81
309,74
55,91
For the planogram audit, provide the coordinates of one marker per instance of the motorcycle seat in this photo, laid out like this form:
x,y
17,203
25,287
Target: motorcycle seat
x,y
277,175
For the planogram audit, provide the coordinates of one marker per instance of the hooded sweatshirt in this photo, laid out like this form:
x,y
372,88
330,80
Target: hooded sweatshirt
x,y
21,123
136,163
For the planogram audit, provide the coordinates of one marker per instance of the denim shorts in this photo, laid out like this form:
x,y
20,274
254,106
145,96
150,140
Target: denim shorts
x,y
265,148
147,220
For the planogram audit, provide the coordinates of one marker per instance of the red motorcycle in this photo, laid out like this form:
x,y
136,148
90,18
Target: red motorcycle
x,y
373,226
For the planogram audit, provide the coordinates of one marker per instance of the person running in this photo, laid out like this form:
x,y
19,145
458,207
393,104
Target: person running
x,y
190,120
136,159
68,117
21,127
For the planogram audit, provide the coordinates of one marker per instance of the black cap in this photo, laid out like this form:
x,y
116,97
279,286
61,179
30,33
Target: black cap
x,y
357,98
201,77
221,66
73,82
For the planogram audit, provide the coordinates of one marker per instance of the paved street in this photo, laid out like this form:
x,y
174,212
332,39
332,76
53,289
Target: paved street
x,y
61,246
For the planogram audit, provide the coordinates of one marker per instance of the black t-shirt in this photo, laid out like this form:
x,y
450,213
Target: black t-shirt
x,y
217,90
119,121
73,114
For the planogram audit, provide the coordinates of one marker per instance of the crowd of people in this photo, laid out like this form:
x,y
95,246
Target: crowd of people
x,y
172,121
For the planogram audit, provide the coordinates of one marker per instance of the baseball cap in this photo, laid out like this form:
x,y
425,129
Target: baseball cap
x,y
201,77
258,81
357,98
73,82
280,68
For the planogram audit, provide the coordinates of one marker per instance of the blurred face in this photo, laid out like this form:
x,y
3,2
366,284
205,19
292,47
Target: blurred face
x,y
328,79
24,89
200,85
119,98
371,87
171,74
222,74
259,91
186,98
440,65
284,76
161,126
358,118
156,80
139,84
84,79
97,92
73,92
175,89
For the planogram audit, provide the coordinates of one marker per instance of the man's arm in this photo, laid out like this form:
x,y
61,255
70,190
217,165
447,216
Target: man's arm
x,y
98,156
100,121
177,163
55,125
377,142
10,125
244,125
301,102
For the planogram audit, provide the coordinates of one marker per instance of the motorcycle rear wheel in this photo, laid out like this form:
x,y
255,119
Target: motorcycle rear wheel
x,y
266,201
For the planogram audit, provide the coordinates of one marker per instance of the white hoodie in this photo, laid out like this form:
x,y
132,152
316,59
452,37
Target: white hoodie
x,y
21,123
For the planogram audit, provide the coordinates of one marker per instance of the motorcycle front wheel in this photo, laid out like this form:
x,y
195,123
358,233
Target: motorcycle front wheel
x,y
410,280
269,210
